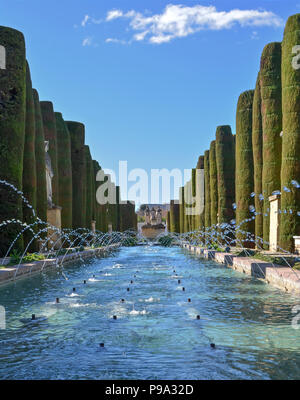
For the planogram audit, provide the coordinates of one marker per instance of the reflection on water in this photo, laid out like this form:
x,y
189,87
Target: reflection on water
x,y
156,334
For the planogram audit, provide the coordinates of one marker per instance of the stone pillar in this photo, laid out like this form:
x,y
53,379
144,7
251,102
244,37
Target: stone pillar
x,y
54,218
93,226
110,228
274,222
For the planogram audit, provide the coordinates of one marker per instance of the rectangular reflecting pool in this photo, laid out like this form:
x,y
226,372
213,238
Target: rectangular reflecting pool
x,y
155,333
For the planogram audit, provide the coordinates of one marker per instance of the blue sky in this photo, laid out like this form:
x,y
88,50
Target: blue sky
x,y
150,83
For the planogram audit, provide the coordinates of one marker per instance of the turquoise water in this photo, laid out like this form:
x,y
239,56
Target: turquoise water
x,y
156,334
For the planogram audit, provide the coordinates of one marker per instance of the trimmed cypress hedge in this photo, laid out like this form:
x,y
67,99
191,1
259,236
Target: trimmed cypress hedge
x,y
244,183
200,218
193,216
89,187
128,216
174,217
93,189
98,214
12,136
29,163
187,204
225,158
118,199
181,210
200,162
49,124
41,185
270,87
207,207
290,222
257,144
213,179
77,135
187,200
102,225
112,209
64,164
106,207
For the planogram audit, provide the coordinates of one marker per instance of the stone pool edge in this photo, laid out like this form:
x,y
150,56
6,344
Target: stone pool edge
x,y
283,278
8,274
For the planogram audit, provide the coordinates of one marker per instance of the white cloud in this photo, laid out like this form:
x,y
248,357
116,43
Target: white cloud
x,y
85,20
87,42
180,21
113,40
113,14
89,19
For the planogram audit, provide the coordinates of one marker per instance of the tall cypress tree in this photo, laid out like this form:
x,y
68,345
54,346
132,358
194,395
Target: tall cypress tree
x,y
225,157
41,185
207,206
12,136
174,217
257,144
200,216
64,163
29,162
181,210
290,200
270,86
98,215
89,187
77,135
244,179
213,179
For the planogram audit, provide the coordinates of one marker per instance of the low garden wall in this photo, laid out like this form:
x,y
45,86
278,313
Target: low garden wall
x,y
11,273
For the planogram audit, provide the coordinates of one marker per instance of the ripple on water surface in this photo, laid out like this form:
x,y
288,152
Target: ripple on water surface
x,y
156,333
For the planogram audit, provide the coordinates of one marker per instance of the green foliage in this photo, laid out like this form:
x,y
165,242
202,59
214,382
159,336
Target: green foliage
x,y
215,246
129,241
244,183
77,135
128,216
174,217
207,221
245,253
12,128
181,210
297,266
225,159
270,87
29,162
89,187
200,218
15,257
290,222
64,165
30,257
213,183
257,144
100,216
168,221
41,187
166,240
